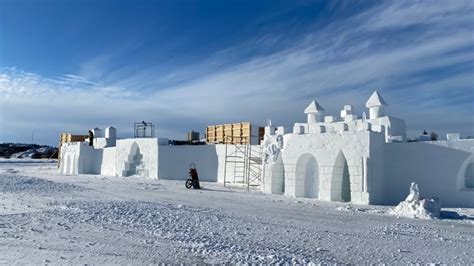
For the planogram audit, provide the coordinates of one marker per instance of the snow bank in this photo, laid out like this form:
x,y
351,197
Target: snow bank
x,y
414,207
27,160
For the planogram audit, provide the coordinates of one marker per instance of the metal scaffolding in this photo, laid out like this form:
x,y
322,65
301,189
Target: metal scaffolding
x,y
245,161
144,130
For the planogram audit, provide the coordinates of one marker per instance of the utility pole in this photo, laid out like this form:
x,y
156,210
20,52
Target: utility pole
x,y
32,137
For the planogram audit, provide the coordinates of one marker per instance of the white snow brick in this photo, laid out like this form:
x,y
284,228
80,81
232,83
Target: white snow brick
x,y
330,119
350,117
316,129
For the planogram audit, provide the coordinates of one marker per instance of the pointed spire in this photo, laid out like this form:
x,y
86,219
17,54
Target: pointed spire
x,y
313,108
375,100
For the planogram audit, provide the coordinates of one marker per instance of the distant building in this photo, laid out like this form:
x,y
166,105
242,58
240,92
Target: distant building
x,y
193,136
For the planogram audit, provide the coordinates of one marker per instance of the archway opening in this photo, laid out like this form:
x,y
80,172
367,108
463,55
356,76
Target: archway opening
x,y
469,176
277,172
341,182
307,177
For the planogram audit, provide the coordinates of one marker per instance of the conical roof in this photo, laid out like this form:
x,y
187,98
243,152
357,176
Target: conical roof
x,y
313,108
375,100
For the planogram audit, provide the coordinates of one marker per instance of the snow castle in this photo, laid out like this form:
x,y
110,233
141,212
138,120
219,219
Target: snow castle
x,y
349,158
363,160
333,158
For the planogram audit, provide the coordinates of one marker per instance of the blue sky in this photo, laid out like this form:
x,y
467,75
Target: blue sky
x,y
74,65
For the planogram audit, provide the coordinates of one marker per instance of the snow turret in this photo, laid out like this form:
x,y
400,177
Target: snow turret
x,y
110,136
347,113
110,133
97,132
315,112
376,105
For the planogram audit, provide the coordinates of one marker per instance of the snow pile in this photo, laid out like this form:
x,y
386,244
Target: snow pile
x,y
414,207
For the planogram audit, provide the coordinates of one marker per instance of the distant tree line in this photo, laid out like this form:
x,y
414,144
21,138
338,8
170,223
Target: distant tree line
x,y
37,151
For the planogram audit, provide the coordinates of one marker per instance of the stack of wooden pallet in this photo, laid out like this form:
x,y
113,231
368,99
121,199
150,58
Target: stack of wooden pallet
x,y
236,133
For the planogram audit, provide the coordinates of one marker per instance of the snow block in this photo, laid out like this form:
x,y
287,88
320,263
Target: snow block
x,y
316,129
350,117
330,119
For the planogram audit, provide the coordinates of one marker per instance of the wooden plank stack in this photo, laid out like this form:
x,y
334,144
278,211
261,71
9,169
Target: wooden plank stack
x,y
236,133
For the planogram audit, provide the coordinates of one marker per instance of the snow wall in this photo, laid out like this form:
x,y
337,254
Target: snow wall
x,y
137,154
80,158
145,157
438,167
334,157
174,162
108,166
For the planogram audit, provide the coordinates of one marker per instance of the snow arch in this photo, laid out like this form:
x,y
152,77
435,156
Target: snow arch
x,y
466,174
340,180
307,177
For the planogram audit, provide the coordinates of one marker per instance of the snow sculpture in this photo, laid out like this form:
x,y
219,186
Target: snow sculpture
x,y
110,136
330,119
347,113
414,193
376,105
279,141
97,132
110,133
269,122
415,207
135,166
453,136
273,145
315,112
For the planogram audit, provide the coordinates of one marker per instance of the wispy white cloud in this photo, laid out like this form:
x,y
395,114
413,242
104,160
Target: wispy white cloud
x,y
76,79
419,13
418,54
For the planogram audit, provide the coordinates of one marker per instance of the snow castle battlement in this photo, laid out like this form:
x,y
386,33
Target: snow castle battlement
x,y
393,128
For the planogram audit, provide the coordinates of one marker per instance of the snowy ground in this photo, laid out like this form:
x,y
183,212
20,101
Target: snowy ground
x,y
48,218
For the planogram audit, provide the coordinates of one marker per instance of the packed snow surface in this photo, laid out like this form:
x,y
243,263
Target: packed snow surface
x,y
86,219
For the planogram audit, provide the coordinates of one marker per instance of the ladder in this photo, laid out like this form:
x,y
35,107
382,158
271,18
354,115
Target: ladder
x,y
246,163
254,165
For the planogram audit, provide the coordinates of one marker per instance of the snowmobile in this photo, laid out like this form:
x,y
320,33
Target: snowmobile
x,y
193,182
